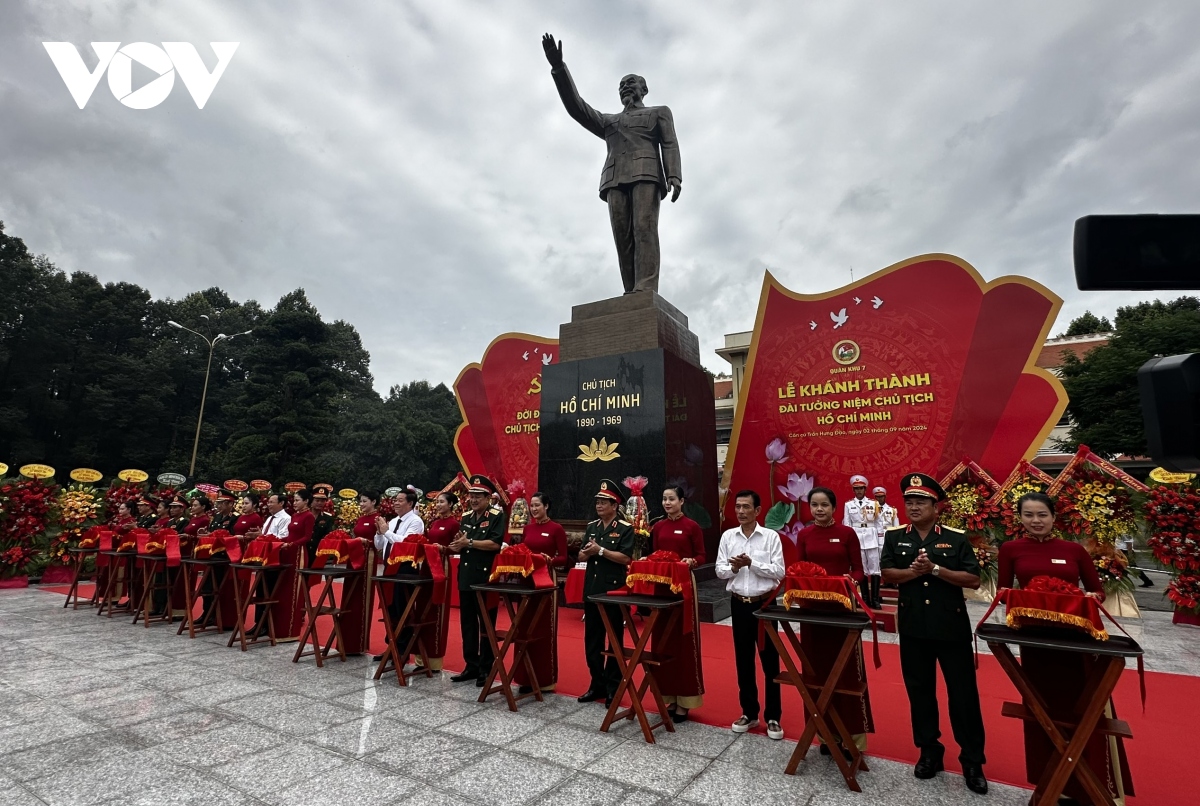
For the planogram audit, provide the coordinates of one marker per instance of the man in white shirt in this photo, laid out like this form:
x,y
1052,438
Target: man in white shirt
x,y
278,520
407,522
751,558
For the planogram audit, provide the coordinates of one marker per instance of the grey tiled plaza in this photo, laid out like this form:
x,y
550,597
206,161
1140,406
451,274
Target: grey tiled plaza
x,y
101,712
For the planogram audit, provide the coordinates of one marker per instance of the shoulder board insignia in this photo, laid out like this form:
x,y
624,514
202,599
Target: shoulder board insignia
x,y
953,530
624,523
496,510
593,523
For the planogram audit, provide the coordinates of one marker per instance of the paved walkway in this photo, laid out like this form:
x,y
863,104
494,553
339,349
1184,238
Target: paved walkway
x,y
97,711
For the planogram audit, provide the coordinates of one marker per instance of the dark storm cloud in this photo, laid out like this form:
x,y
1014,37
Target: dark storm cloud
x,y
411,167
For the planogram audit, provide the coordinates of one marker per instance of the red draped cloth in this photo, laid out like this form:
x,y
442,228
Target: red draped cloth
x,y
356,621
282,558
174,574
518,562
419,555
220,544
836,550
681,679
1054,674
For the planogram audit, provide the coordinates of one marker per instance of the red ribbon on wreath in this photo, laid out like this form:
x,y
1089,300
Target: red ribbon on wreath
x,y
663,568
340,548
809,583
418,551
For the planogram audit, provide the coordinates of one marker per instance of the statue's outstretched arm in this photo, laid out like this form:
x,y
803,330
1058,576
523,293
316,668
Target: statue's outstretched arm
x,y
577,108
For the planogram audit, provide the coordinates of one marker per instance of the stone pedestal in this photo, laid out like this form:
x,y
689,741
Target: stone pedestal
x,y
628,397
626,324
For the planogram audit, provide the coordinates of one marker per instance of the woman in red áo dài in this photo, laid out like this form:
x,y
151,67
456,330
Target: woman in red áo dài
x,y
1056,675
547,538
441,530
835,548
681,679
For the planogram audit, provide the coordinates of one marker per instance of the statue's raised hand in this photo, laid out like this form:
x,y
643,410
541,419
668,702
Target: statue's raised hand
x,y
553,51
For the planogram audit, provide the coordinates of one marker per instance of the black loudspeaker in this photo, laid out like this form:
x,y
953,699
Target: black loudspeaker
x,y
1137,252
1170,392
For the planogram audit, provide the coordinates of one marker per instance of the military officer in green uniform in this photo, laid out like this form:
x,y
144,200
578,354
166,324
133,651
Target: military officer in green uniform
x,y
478,540
224,517
608,544
177,510
932,564
324,520
146,507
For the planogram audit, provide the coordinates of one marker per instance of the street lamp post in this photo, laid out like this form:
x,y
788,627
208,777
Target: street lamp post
x,y
212,343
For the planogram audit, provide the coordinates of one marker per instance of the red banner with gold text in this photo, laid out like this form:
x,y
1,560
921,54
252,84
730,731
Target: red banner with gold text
x,y
909,369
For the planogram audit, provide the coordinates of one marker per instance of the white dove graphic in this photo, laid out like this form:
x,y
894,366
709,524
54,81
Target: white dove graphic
x,y
525,357
546,358
812,325
857,301
876,301
840,318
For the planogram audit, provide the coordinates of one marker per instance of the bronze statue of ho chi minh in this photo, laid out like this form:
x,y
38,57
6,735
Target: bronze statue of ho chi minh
x,y
633,181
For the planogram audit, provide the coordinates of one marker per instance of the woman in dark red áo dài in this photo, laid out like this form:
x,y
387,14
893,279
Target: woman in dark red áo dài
x,y
835,548
199,516
356,621
547,538
1055,674
249,517
681,679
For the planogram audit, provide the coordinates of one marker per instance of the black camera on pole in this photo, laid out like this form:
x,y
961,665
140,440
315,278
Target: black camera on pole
x,y
1151,253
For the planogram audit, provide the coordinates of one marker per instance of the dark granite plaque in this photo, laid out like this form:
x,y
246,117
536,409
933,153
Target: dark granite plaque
x,y
645,413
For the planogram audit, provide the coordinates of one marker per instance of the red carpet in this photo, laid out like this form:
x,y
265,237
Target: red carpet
x,y
1172,708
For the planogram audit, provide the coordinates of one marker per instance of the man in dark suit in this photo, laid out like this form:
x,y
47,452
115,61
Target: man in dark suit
x,y
932,564
633,181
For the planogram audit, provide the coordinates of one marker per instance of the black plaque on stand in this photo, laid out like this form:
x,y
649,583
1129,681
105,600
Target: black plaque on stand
x,y
647,413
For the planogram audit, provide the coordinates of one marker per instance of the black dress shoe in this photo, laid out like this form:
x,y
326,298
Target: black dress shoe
x,y
973,775
825,750
608,701
928,767
591,695
480,681
464,676
525,690
378,658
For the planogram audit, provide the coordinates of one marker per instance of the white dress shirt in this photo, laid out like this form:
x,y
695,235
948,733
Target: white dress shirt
x,y
766,561
277,524
400,527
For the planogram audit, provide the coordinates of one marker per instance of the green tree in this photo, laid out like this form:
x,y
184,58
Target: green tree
x,y
1104,404
1087,324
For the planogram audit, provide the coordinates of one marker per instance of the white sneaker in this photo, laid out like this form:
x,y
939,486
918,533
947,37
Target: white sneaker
x,y
744,724
774,731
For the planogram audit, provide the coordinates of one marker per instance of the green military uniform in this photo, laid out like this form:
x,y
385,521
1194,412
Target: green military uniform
x,y
474,568
934,629
147,521
322,526
225,522
603,575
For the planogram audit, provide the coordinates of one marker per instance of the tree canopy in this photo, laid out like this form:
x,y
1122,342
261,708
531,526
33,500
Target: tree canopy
x,y
1105,406
1088,323
92,374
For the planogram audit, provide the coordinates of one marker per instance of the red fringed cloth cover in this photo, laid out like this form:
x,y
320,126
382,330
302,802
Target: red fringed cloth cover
x,y
517,564
264,551
217,544
163,542
807,584
662,574
91,538
127,542
415,551
519,561
1051,602
339,548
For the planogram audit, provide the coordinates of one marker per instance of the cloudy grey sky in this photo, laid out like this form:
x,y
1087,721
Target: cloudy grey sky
x,y
410,164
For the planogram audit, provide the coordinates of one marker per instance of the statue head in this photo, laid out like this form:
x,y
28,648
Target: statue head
x,y
633,89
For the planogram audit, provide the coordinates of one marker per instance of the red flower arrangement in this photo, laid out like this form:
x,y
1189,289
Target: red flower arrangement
x,y
1174,516
1049,584
1184,592
24,511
